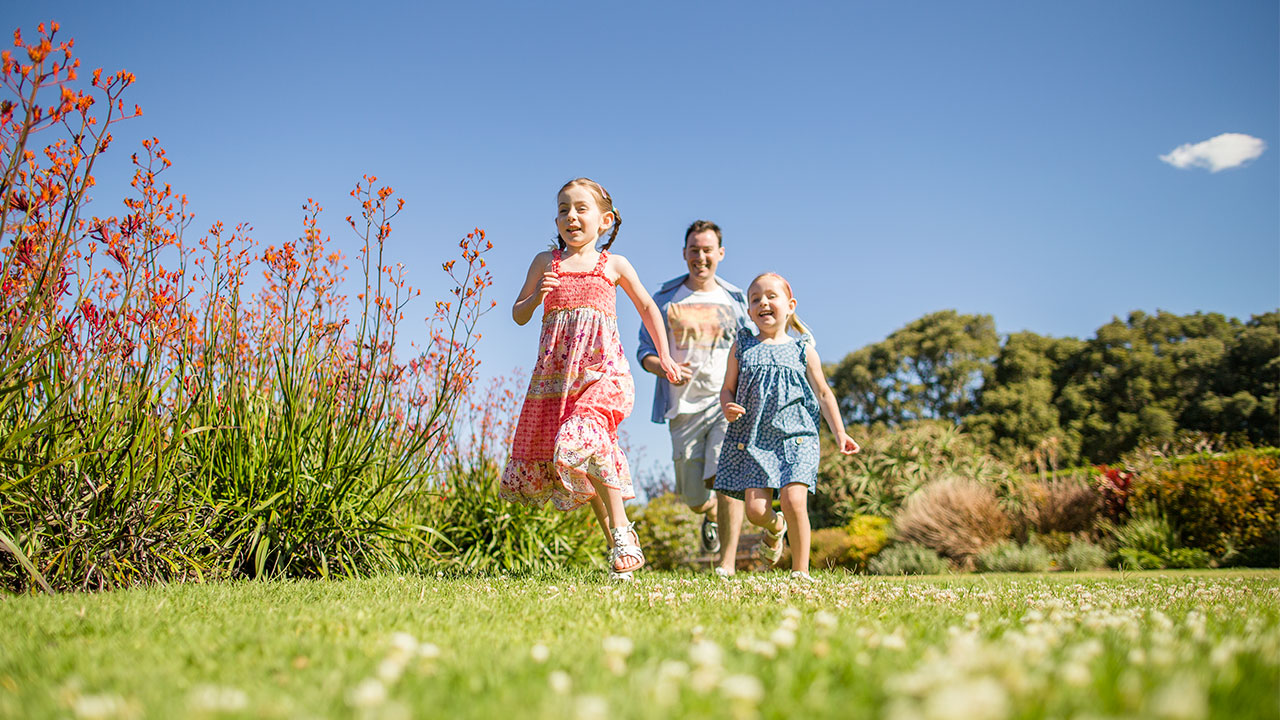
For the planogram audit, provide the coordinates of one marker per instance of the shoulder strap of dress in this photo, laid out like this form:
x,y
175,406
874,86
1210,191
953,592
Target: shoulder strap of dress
x,y
555,260
599,268
802,344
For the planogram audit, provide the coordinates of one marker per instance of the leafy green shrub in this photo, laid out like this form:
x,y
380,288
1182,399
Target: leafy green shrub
x,y
1220,503
668,531
1151,535
1009,556
907,559
894,464
1083,555
1134,559
955,517
475,531
850,546
1190,558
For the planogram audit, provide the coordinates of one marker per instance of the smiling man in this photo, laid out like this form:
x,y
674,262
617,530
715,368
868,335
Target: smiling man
x,y
702,314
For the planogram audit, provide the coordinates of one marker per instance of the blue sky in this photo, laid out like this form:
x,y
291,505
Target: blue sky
x,y
889,159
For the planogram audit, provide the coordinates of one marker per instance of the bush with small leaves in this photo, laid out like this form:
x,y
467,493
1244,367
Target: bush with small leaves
x,y
908,559
1083,555
668,531
1009,556
1187,558
1134,559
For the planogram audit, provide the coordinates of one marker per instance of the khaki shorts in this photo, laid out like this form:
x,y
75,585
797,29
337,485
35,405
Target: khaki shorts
x,y
695,449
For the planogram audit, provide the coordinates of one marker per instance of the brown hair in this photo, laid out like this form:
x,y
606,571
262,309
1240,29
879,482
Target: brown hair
x,y
702,226
793,321
603,200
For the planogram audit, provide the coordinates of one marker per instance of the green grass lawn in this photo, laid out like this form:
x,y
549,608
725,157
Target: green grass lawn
x,y
1168,644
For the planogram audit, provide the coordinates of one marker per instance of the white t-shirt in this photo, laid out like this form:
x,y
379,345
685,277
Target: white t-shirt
x,y
700,330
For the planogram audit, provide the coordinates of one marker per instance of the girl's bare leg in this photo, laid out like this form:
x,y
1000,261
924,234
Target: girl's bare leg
x,y
731,511
795,508
759,508
602,517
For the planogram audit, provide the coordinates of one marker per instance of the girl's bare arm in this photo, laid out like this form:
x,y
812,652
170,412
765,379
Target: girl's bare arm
x,y
539,281
827,402
649,313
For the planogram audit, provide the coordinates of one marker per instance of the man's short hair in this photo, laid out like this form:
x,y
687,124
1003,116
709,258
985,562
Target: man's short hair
x,y
702,226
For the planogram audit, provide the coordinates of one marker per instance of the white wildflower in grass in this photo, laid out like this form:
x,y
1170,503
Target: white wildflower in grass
x,y
369,693
671,673
98,706
894,641
560,682
791,612
390,670
616,645
971,619
977,699
743,688
783,638
616,650
429,651
825,621
1182,698
1075,674
789,623
404,643
706,657
214,699
591,707
705,653
540,653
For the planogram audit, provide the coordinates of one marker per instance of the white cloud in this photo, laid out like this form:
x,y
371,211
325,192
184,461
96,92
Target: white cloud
x,y
1225,151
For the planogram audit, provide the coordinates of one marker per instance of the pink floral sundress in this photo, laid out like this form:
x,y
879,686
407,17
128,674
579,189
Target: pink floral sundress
x,y
580,390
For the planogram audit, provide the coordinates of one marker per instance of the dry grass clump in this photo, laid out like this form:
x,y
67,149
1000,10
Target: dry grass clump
x,y
956,517
1066,505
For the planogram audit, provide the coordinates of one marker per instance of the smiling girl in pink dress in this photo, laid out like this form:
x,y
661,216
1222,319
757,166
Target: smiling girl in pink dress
x,y
566,444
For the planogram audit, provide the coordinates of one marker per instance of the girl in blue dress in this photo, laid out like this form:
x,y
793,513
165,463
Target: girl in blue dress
x,y
773,392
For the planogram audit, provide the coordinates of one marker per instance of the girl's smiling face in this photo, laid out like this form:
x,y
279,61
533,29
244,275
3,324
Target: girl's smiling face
x,y
579,219
770,304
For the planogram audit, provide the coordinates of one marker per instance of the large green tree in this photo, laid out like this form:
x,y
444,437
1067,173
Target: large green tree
x,y
930,369
1063,400
1016,414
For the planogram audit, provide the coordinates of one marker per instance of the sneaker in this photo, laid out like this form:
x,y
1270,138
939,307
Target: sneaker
x,y
710,536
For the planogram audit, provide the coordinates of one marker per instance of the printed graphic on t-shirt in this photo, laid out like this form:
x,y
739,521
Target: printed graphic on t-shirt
x,y
702,327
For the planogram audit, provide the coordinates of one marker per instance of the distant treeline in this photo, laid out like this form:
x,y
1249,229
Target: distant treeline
x,y
1147,378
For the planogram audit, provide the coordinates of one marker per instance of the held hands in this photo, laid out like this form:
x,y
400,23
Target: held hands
x,y
732,411
671,369
684,373
845,444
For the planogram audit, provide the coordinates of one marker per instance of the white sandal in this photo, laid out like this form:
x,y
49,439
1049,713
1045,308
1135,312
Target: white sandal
x,y
771,553
624,547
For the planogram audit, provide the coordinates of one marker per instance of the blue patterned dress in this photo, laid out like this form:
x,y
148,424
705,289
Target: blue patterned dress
x,y
775,443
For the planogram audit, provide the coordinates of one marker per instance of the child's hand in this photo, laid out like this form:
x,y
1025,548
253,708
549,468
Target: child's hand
x,y
671,369
847,444
550,281
684,373
733,411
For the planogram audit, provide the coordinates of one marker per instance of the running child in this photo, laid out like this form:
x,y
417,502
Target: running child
x,y
565,447
772,395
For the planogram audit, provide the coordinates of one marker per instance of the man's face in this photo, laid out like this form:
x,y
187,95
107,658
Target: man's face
x,y
702,253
